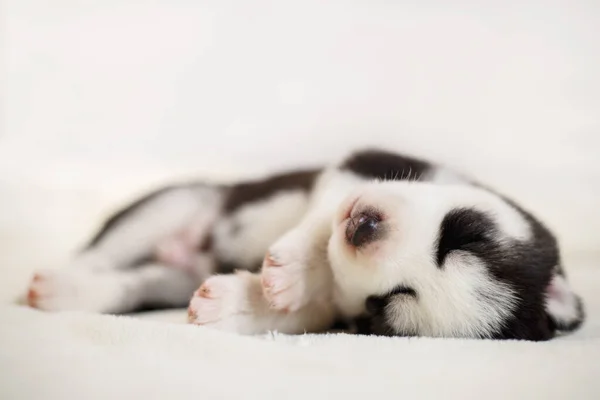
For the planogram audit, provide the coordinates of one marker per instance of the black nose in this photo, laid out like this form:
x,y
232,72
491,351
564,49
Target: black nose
x,y
363,228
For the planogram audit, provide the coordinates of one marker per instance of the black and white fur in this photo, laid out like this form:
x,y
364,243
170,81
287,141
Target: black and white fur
x,y
388,243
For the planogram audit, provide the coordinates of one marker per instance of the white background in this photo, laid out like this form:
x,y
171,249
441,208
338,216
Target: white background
x,y
102,99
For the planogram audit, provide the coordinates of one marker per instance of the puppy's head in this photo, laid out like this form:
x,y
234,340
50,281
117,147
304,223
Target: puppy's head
x,y
448,261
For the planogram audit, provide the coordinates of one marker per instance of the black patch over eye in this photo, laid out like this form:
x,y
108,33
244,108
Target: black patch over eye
x,y
462,229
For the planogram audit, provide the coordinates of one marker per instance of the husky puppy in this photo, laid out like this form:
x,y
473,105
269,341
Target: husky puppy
x,y
387,243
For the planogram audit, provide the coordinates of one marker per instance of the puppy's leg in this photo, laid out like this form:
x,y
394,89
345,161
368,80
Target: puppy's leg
x,y
295,268
179,250
137,232
92,280
236,303
115,291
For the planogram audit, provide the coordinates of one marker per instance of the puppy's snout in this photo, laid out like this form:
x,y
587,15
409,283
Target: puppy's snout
x,y
363,228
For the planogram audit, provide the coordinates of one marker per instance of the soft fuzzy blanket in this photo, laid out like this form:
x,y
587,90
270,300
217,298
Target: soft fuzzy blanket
x,y
77,356
106,99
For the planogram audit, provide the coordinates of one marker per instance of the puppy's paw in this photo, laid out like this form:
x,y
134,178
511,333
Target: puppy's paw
x,y
283,282
226,302
71,290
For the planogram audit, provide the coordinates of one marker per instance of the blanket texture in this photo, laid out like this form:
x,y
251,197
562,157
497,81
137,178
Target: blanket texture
x,y
156,356
105,100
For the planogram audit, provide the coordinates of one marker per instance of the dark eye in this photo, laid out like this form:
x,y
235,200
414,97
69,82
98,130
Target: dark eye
x,y
462,229
364,228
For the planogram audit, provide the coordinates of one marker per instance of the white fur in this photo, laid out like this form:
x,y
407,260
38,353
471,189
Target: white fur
x,y
243,237
179,248
310,272
98,280
296,282
298,271
562,302
76,290
449,299
444,176
109,291
235,303
450,303
138,234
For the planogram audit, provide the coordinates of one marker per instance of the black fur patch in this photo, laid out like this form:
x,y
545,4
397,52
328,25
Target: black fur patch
x,y
375,321
226,267
376,304
376,164
462,229
206,246
244,193
525,266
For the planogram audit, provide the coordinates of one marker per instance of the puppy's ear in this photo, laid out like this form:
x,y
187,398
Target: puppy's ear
x,y
563,306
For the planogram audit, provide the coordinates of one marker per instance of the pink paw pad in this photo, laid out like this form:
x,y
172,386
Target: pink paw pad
x,y
280,284
211,301
35,290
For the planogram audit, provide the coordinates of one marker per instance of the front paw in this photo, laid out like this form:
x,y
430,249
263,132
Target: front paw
x,y
283,282
227,302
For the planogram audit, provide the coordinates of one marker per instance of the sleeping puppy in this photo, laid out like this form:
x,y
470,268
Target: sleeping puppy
x,y
385,243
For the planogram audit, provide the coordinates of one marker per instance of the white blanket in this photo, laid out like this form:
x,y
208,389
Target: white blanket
x,y
154,355
77,356
104,99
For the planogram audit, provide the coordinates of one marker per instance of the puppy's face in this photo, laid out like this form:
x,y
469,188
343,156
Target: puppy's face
x,y
451,261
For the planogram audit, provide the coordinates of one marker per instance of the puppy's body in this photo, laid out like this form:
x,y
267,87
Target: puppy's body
x,y
405,246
